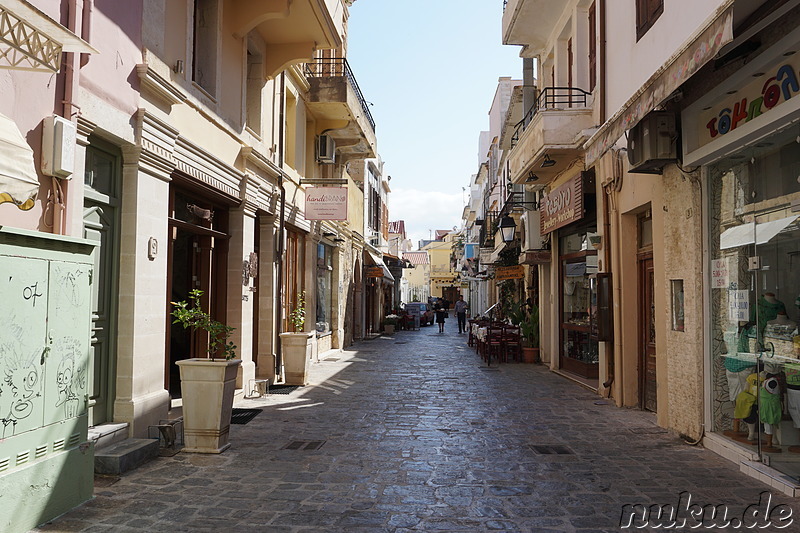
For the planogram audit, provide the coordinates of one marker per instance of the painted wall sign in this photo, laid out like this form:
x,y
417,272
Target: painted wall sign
x,y
374,272
510,272
776,85
326,203
563,205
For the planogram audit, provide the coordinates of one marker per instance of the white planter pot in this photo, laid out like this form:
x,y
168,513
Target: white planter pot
x,y
207,388
296,350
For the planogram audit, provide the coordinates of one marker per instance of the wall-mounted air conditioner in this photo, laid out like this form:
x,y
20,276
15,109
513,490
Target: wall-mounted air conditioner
x,y
326,149
58,147
533,237
653,143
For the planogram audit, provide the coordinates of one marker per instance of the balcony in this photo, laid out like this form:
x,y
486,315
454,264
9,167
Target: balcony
x,y
341,109
550,136
529,23
292,29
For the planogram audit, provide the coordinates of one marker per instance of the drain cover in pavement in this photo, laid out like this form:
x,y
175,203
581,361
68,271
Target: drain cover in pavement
x,y
282,389
551,449
306,445
243,416
401,342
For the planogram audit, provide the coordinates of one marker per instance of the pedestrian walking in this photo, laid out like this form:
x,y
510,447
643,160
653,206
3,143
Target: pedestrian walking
x,y
440,312
461,314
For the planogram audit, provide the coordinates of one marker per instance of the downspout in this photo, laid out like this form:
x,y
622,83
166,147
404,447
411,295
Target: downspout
x,y
602,61
86,27
281,230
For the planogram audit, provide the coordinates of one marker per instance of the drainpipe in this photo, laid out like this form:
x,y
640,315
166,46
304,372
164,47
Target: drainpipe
x,y
281,230
86,27
602,61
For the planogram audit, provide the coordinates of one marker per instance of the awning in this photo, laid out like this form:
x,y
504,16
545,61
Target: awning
x,y
377,261
698,50
752,233
19,183
30,40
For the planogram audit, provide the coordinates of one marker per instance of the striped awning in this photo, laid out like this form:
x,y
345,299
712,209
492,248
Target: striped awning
x,y
19,183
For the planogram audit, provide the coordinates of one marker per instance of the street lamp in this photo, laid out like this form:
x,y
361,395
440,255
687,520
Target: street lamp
x,y
507,228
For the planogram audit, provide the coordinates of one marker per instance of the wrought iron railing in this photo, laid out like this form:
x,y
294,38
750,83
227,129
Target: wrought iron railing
x,y
326,67
551,98
486,237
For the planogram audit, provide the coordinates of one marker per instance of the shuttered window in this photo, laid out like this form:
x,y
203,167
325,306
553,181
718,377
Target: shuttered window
x,y
592,47
647,12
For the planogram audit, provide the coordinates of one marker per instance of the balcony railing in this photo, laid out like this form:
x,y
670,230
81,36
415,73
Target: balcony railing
x,y
551,98
325,67
486,238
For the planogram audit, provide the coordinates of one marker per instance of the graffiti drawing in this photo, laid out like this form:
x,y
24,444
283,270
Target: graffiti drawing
x,y
68,378
20,388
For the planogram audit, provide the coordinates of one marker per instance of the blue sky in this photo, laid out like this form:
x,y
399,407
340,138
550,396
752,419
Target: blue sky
x,y
430,67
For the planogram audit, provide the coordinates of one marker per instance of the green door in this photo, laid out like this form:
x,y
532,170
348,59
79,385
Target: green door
x,y
101,225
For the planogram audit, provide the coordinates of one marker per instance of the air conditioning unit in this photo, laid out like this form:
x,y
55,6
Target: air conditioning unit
x,y
326,149
533,237
652,143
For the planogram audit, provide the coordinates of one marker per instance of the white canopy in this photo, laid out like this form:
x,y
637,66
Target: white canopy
x,y
18,180
751,233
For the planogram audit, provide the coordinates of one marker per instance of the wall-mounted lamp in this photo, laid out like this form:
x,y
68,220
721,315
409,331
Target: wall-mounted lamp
x,y
532,177
547,161
507,227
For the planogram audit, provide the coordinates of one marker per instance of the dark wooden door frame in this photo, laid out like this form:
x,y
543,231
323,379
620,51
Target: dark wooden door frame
x,y
646,342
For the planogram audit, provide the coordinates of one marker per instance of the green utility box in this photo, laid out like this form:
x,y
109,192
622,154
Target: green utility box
x,y
46,461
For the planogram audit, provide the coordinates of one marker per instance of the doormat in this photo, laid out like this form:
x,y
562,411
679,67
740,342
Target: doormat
x,y
243,416
282,389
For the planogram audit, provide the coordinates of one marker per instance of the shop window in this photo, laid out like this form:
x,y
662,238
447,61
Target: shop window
x,y
324,288
647,12
755,293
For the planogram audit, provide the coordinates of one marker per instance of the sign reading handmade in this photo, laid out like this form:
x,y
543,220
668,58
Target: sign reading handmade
x,y
326,203
563,205
536,257
511,272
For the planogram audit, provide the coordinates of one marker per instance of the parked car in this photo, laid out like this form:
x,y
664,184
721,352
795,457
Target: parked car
x,y
421,309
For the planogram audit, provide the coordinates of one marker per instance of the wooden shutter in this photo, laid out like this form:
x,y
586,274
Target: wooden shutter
x,y
592,47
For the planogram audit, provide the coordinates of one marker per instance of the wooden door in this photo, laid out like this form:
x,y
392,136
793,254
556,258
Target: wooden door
x,y
647,334
101,225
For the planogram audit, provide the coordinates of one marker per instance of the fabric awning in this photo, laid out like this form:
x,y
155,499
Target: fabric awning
x,y
698,50
377,261
30,40
752,233
19,183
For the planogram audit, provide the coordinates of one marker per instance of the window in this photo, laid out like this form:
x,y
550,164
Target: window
x,y
647,12
592,47
204,46
324,288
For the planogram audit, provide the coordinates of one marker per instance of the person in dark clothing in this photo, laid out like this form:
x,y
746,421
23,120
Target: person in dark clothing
x,y
461,314
440,313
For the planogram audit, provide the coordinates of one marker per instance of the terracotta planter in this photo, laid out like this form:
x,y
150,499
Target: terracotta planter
x,y
388,329
207,388
296,350
530,355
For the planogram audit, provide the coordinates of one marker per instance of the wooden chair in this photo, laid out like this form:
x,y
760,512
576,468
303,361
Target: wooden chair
x,y
494,345
512,340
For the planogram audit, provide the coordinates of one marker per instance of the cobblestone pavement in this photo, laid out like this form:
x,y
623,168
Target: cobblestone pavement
x,y
420,436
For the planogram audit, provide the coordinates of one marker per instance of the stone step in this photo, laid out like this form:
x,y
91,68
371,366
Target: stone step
x,y
107,434
125,455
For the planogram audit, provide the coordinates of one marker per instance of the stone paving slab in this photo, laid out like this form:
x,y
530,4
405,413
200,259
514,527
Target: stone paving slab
x,y
418,437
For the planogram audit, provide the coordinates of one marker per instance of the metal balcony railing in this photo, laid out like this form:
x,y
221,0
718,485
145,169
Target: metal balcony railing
x,y
486,237
325,67
551,98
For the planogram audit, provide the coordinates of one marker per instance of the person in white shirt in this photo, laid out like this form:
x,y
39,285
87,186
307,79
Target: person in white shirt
x,y
461,313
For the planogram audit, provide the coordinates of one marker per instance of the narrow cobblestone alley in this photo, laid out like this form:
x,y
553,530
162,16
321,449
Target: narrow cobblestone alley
x,y
420,436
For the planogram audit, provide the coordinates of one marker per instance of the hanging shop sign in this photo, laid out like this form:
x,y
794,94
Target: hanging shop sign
x,y
773,87
536,257
510,272
561,206
326,203
374,272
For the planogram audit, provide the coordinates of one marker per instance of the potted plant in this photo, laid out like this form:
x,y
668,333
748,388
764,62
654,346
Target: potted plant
x,y
207,384
530,331
389,323
297,345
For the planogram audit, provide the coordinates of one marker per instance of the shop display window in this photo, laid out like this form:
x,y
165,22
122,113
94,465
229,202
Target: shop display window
x,y
755,298
324,287
579,347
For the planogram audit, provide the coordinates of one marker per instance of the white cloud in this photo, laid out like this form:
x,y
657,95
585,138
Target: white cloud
x,y
425,211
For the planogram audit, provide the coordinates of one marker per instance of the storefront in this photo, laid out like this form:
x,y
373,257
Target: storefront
x,y
569,216
746,136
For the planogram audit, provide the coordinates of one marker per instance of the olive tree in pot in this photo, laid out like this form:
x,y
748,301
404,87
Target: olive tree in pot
x,y
207,384
530,331
297,346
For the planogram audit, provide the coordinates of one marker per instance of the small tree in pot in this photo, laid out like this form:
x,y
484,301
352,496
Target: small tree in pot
x,y
207,384
298,346
530,330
